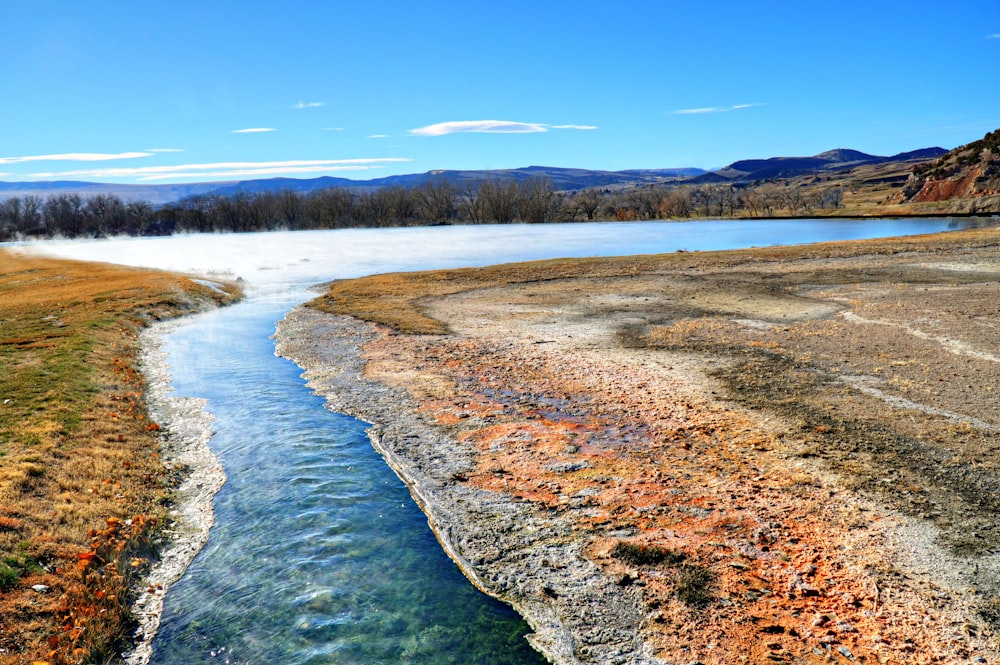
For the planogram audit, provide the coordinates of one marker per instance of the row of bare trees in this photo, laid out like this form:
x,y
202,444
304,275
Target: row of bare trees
x,y
718,200
485,202
72,216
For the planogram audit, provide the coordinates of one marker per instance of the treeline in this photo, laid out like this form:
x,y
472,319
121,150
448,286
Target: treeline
x,y
487,202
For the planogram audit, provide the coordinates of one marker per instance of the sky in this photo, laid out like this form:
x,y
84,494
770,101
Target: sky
x,y
171,92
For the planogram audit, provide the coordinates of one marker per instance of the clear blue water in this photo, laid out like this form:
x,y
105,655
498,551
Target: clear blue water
x,y
318,554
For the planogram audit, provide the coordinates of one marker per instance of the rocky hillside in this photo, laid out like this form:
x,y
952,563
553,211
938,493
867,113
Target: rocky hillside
x,y
966,178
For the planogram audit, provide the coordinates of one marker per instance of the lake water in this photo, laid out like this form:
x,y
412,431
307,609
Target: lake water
x,y
318,554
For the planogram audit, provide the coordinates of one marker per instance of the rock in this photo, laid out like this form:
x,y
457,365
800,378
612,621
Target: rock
x,y
39,588
807,590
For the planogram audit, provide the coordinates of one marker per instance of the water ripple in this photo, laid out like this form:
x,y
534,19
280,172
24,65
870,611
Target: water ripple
x,y
318,555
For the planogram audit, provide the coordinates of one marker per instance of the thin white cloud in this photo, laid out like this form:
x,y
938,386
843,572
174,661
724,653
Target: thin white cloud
x,y
995,35
379,136
218,170
164,150
697,111
490,127
714,109
308,105
253,130
75,157
333,129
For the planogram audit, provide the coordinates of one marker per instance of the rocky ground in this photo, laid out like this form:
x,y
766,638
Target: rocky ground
x,y
781,455
184,446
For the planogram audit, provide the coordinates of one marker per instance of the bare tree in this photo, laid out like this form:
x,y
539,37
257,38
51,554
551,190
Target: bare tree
x,y
791,199
290,209
64,214
750,200
11,223
436,200
831,198
501,200
105,214
769,197
675,203
470,204
701,200
329,208
644,201
538,201
586,202
400,204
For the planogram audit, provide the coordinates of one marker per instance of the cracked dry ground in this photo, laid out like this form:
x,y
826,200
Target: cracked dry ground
x,y
816,431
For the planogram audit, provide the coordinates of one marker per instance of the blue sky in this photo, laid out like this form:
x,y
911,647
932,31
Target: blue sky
x,y
181,91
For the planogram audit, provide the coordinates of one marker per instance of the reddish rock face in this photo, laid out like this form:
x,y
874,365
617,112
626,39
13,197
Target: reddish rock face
x,y
944,190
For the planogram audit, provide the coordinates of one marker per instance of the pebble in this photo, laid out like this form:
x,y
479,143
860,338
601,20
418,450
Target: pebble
x,y
40,588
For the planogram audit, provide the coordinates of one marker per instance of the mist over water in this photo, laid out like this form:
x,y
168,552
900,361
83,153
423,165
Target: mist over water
x,y
319,555
279,261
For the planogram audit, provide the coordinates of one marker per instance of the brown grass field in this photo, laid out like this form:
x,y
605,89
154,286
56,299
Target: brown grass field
x,y
83,490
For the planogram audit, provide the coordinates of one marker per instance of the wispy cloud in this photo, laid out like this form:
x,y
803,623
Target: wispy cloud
x,y
75,157
164,150
308,105
714,109
490,127
995,35
219,170
254,130
333,129
379,136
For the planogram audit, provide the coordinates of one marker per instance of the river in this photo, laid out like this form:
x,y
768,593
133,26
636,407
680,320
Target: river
x,y
318,554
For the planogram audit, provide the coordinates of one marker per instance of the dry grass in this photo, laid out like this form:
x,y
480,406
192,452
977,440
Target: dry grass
x,y
81,482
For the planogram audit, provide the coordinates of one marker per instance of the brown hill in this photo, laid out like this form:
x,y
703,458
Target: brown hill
x,y
968,178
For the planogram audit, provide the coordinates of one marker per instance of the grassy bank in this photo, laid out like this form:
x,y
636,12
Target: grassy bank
x,y
82,487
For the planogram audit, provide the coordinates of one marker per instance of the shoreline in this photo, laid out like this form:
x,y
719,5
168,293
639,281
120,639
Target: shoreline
x,y
507,550
186,431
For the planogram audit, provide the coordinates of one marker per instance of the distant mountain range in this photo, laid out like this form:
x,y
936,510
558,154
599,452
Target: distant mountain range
x,y
749,170
753,170
561,179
